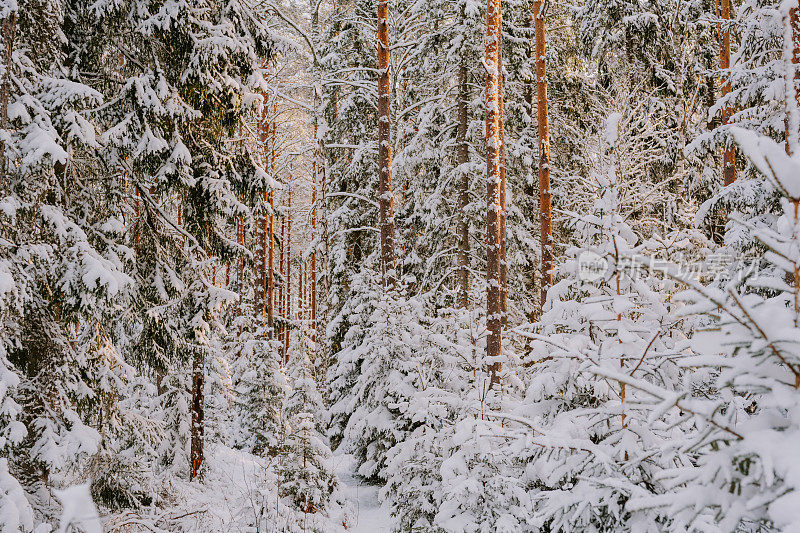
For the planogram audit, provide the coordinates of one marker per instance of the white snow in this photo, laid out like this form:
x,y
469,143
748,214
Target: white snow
x,y
612,128
78,509
370,515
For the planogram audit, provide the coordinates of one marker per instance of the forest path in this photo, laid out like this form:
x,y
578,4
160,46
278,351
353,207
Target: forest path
x,y
369,515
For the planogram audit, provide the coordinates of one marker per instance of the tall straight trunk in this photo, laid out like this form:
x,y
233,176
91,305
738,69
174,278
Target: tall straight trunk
x,y
8,28
321,286
463,192
300,290
385,148
271,255
503,210
239,263
282,287
262,229
288,282
314,252
729,156
792,50
545,209
198,414
493,200
197,429
264,244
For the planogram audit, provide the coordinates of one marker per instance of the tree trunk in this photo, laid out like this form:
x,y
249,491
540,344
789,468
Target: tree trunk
x,y
270,266
300,290
493,202
545,210
288,282
793,81
282,287
314,252
385,148
198,414
262,230
271,238
503,210
9,26
239,263
729,156
463,193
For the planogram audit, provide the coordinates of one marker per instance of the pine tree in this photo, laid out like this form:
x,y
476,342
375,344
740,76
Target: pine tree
x,y
306,464
385,199
543,126
65,268
494,205
598,449
747,422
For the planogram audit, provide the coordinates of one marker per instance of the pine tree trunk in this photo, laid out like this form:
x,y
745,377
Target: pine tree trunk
x,y
9,26
271,239
282,287
198,414
793,82
503,210
262,231
239,263
314,252
288,273
729,156
385,148
270,265
545,209
493,211
300,291
321,288
463,193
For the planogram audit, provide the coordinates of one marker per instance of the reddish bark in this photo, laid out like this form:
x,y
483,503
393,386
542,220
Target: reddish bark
x,y
198,414
385,148
314,252
729,156
793,84
262,229
239,263
493,201
9,27
503,211
288,313
545,209
463,193
301,291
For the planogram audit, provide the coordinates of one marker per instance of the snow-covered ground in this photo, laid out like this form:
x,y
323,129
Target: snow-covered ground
x,y
369,516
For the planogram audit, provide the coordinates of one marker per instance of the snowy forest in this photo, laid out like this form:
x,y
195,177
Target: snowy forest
x,y
450,266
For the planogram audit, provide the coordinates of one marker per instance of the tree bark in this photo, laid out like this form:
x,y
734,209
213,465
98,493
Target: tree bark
x,y
262,230
239,263
9,26
300,290
198,414
793,81
545,207
288,281
463,192
271,267
385,149
729,156
314,252
281,274
503,210
493,201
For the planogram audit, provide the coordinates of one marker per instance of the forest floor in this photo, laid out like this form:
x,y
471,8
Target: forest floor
x,y
369,515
